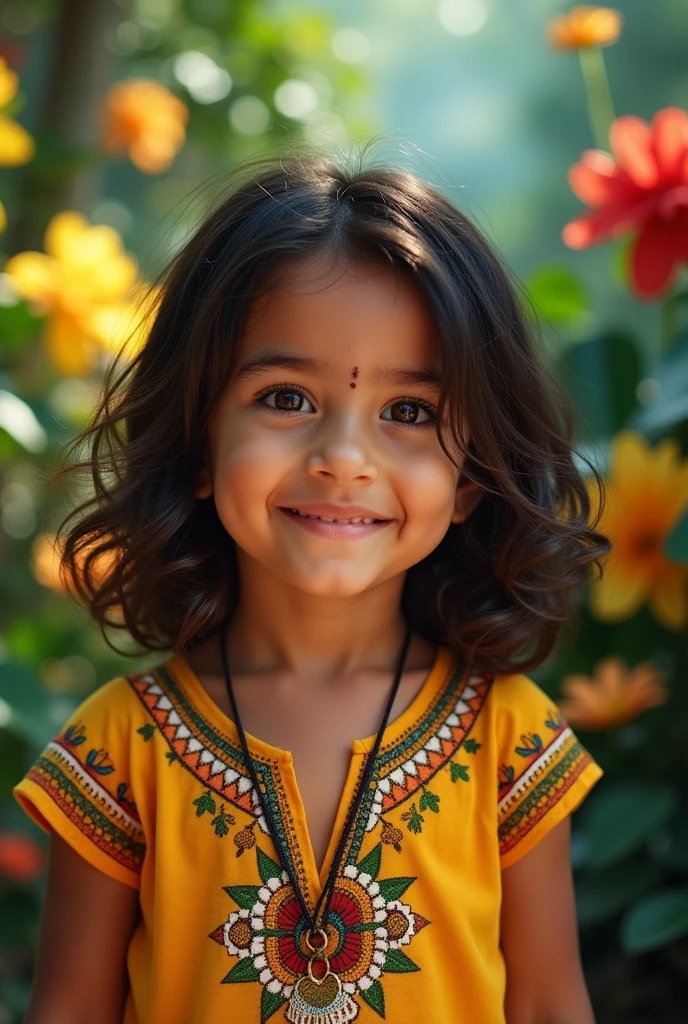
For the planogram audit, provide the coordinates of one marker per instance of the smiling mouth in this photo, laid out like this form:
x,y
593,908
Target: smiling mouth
x,y
355,520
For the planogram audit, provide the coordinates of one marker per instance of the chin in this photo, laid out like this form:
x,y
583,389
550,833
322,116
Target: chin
x,y
328,583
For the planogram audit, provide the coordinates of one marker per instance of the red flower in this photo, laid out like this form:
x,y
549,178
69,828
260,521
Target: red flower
x,y
21,858
644,189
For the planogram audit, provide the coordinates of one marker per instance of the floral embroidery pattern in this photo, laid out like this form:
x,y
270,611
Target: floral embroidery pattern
x,y
549,768
76,785
369,924
404,768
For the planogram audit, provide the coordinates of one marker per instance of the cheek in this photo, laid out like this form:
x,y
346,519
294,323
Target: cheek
x,y
247,471
427,486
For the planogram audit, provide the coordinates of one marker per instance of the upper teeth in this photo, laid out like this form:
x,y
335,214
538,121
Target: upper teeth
x,y
328,519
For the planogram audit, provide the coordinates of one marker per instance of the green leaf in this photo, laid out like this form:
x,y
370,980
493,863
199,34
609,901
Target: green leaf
x,y
622,817
471,746
243,970
220,824
676,544
601,375
459,771
146,731
429,801
669,403
270,1003
25,706
396,962
394,888
602,895
267,867
204,803
655,921
558,294
375,998
371,862
245,896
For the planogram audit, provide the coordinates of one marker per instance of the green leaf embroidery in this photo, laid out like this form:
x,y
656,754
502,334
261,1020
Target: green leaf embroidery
x,y
396,962
267,868
394,888
471,746
222,821
375,998
270,1003
243,970
371,862
459,771
146,731
414,820
245,896
171,756
204,803
429,801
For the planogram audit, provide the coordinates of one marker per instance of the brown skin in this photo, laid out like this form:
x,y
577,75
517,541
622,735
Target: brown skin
x,y
313,644
87,922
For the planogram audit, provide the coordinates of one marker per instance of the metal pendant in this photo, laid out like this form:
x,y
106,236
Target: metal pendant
x,y
318,997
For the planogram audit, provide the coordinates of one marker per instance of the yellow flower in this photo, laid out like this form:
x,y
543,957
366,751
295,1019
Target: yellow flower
x,y
16,145
145,120
82,281
647,491
613,696
585,26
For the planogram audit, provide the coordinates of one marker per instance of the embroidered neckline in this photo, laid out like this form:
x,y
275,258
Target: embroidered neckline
x,y
434,683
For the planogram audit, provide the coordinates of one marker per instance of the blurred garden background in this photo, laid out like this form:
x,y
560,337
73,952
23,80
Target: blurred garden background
x,y
563,131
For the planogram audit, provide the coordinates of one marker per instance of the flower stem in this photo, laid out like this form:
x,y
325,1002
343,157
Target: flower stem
x,y
600,104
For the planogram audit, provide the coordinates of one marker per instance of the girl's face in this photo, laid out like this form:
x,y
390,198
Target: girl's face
x,y
326,468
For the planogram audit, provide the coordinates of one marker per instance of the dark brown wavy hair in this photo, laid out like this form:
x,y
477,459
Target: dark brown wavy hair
x,y
499,588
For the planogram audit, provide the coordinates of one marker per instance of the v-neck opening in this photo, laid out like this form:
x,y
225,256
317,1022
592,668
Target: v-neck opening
x,y
436,679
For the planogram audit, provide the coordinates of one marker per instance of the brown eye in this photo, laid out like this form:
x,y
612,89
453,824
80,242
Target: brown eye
x,y
406,411
287,400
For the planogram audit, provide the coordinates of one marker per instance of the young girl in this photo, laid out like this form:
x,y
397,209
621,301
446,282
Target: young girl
x,y
338,485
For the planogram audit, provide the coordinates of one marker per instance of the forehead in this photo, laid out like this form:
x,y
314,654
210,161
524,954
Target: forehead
x,y
359,314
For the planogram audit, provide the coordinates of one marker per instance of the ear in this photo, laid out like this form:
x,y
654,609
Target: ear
x,y
468,497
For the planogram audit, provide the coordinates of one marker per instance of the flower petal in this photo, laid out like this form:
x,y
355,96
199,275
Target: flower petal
x,y
631,141
34,275
670,140
594,178
63,234
68,348
9,83
16,145
669,598
617,595
656,254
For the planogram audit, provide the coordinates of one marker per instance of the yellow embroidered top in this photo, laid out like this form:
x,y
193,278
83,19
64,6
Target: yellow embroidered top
x,y
148,783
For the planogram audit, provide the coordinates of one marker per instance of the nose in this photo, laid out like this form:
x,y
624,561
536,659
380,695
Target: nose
x,y
342,455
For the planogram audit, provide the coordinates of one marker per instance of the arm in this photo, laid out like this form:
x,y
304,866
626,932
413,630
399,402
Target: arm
x,y
87,921
545,983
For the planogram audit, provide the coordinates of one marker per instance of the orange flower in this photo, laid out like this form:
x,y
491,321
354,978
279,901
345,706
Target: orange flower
x,y
144,119
46,564
613,696
585,26
646,493
21,858
645,189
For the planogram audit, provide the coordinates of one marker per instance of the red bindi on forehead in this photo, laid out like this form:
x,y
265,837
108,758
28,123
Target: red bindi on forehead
x,y
354,374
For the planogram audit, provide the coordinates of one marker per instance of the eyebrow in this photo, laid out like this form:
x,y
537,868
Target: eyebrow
x,y
275,359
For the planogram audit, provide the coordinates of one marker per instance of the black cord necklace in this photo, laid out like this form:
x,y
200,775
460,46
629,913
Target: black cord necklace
x,y
315,936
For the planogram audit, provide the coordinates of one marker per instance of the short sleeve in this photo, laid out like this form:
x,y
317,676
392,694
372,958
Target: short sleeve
x,y
544,771
81,785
